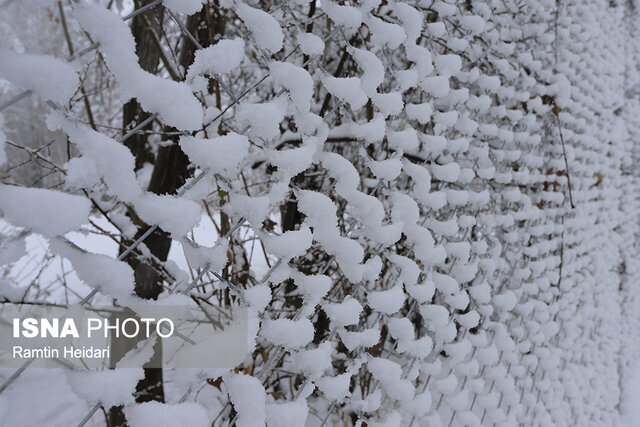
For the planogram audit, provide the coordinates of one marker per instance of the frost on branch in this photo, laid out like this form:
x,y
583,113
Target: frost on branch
x,y
426,206
173,101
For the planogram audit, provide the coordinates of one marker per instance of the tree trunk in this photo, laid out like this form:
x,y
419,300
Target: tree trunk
x,y
148,283
170,170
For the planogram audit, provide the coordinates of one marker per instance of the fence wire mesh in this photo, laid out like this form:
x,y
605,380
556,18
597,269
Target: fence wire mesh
x,y
466,173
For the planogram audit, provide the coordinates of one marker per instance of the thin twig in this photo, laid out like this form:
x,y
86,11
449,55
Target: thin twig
x,y
566,163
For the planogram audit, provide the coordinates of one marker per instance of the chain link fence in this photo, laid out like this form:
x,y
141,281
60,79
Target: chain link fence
x,y
466,171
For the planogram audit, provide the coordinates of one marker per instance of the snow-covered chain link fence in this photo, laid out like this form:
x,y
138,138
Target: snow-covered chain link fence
x,y
444,193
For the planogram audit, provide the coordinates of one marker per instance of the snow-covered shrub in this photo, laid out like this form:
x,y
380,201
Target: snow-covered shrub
x,y
429,207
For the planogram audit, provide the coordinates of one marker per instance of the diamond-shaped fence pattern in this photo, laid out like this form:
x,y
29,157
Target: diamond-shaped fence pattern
x,y
445,195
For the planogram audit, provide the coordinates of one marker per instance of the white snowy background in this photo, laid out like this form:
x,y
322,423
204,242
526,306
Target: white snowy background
x,y
466,174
